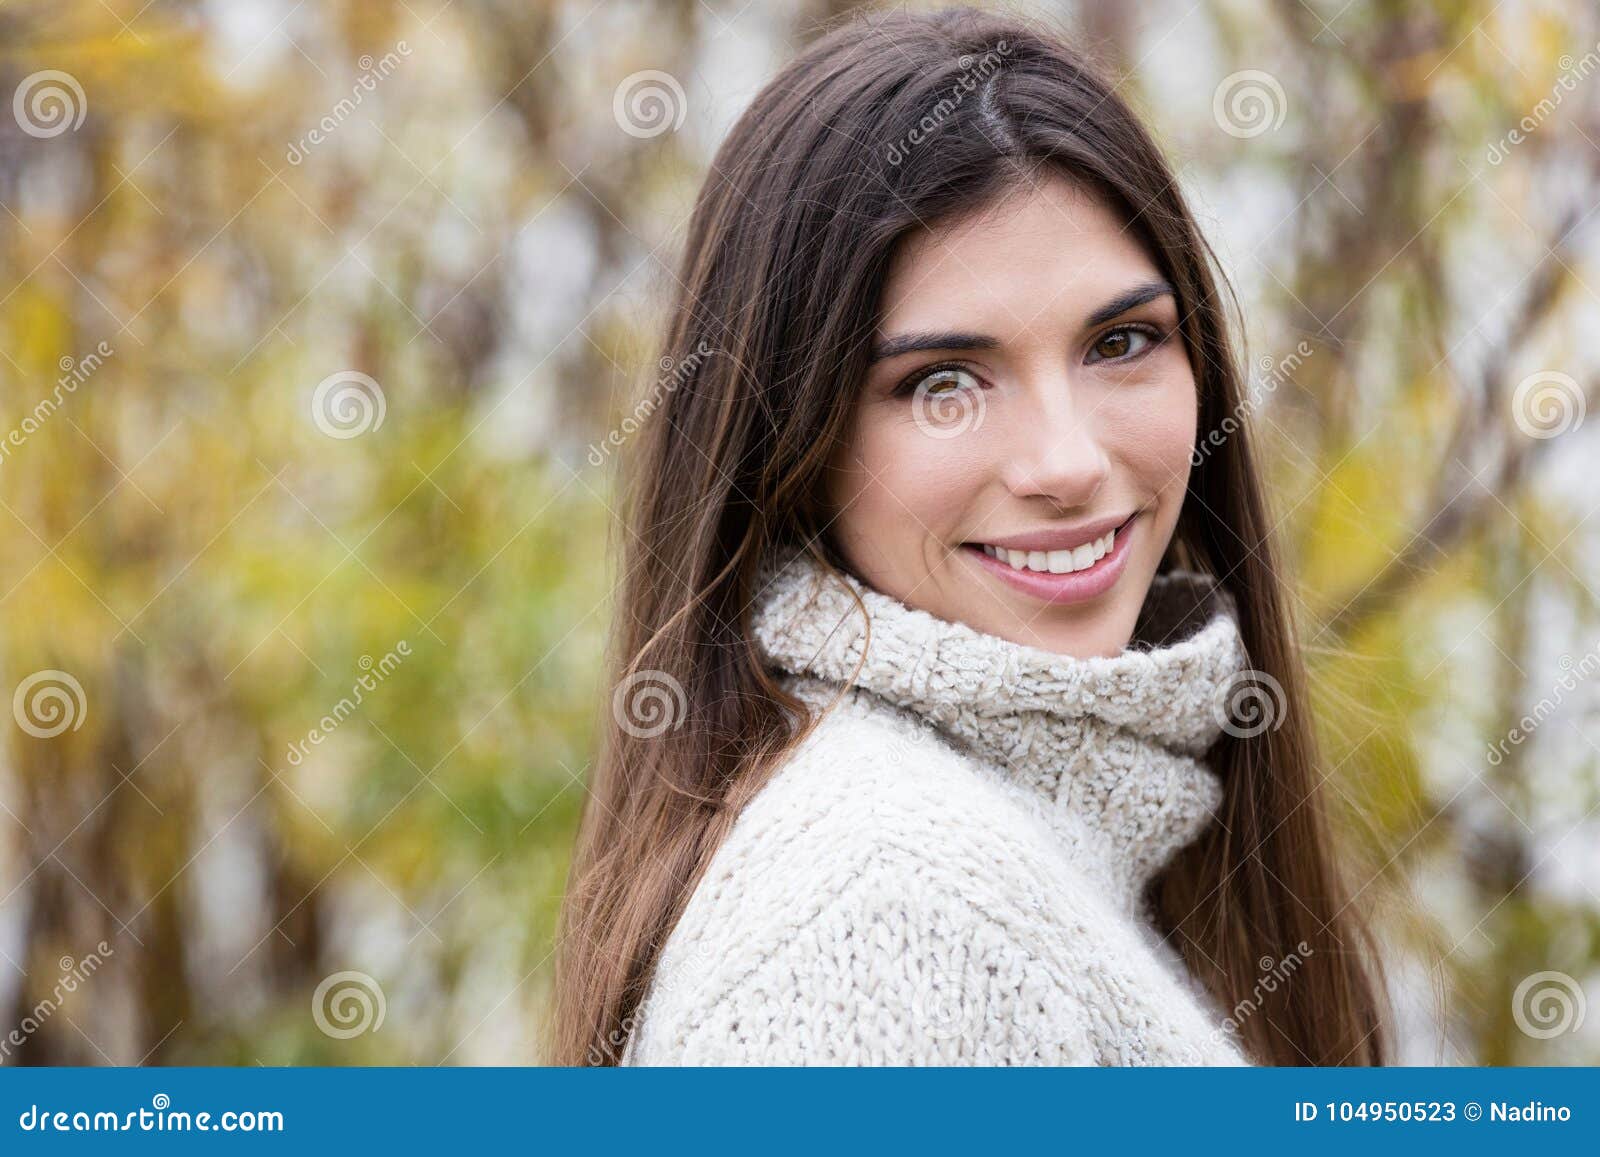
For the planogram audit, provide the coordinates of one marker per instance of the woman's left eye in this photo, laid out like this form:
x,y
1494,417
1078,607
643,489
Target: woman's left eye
x,y
1117,344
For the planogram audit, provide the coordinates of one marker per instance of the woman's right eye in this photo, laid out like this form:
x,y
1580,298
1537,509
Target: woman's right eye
x,y
940,380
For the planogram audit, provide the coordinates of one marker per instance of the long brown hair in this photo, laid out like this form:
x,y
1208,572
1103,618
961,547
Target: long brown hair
x,y
888,124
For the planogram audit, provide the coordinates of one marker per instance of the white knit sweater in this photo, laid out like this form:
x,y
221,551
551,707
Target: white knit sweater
x,y
949,868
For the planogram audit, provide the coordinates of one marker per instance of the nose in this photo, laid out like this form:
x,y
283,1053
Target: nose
x,y
1057,453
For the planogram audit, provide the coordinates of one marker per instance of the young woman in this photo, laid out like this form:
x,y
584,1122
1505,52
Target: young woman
x,y
945,560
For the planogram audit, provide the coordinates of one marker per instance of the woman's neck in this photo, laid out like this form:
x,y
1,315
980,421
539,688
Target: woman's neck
x,y
1107,750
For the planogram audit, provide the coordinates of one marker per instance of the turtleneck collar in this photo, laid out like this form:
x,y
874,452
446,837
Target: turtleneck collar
x,y
1107,749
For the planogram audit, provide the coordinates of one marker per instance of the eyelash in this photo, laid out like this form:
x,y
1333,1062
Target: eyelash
x,y
910,383
1156,335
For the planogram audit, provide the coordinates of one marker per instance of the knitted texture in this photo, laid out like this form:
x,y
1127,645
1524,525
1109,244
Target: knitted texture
x,y
949,868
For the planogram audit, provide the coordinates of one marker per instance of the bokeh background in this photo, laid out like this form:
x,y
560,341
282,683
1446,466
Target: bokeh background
x,y
315,319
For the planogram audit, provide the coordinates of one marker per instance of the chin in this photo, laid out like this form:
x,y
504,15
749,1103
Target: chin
x,y
1104,638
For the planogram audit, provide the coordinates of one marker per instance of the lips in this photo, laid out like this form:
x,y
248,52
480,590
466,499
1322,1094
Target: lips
x,y
1035,573
1059,537
1080,557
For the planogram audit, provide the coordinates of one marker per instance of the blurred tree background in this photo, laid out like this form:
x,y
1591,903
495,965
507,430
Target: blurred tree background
x,y
313,316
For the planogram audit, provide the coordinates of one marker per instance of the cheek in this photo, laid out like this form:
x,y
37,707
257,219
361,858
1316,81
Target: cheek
x,y
895,482
1154,438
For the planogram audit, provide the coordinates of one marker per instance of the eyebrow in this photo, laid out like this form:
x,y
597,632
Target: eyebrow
x,y
1132,299
911,343
908,343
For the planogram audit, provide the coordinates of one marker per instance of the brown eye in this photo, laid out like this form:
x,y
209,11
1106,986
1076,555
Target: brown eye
x,y
939,381
1122,344
948,381
1114,344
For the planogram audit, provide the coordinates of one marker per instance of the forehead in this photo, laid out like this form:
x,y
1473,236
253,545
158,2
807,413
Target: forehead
x,y
1049,249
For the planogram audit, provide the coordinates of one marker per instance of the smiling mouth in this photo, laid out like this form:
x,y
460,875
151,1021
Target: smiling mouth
x,y
1084,572
1065,561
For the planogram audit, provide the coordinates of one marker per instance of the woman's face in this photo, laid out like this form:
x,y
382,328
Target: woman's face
x,y
1020,449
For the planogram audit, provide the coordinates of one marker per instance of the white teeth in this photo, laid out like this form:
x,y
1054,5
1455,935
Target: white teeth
x,y
1056,561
